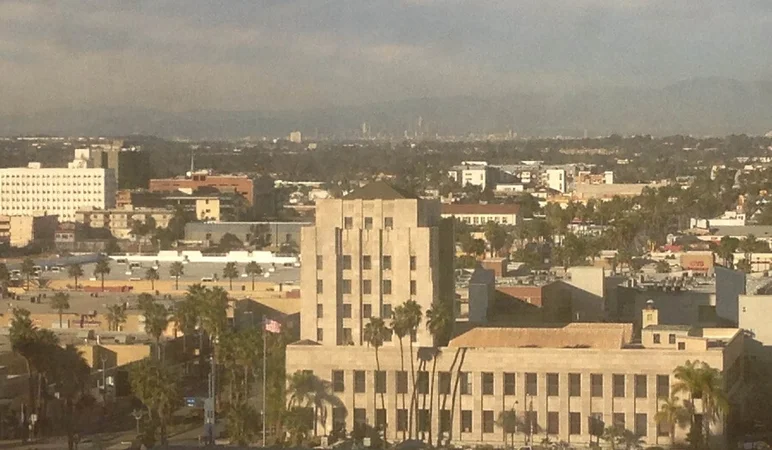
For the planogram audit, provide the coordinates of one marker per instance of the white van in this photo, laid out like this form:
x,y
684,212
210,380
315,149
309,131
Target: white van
x,y
207,279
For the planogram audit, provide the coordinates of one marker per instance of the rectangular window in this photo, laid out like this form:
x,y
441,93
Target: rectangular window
x,y
444,421
346,262
487,383
657,339
368,223
466,421
413,287
641,390
319,287
386,313
380,382
367,310
574,385
530,384
553,422
618,419
380,417
346,314
401,382
338,383
319,335
345,286
641,422
412,263
359,381
367,262
466,383
574,423
338,418
422,382
663,386
319,311
488,421
423,420
386,265
346,337
682,346
388,223
596,385
509,384
319,262
348,223
671,339
553,385
618,385
443,383
367,287
386,287
360,416
401,420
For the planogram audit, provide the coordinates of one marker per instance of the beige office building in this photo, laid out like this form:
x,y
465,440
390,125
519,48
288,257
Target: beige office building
x,y
375,249
34,190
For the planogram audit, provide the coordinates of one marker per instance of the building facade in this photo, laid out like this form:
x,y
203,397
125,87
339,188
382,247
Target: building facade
x,y
119,221
478,214
256,191
55,191
20,231
275,234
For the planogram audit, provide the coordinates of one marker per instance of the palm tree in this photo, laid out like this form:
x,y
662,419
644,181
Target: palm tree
x,y
253,269
59,303
242,423
27,269
152,275
75,271
156,387
613,435
439,323
71,378
699,380
5,278
413,315
401,328
23,336
156,321
375,333
186,318
230,271
116,316
102,268
508,422
176,270
672,414
631,441
306,391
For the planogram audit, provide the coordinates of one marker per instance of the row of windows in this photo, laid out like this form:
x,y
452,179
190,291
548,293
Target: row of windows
x,y
367,287
348,223
527,420
367,310
477,220
508,383
671,338
367,263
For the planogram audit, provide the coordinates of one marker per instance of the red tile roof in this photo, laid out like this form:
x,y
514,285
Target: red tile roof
x,y
476,208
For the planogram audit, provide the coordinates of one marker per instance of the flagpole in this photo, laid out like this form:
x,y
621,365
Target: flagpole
x,y
265,355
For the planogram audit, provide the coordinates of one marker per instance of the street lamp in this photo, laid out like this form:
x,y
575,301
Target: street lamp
x,y
137,414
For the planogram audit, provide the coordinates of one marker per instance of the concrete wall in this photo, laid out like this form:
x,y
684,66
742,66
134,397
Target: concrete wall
x,y
241,257
754,313
730,284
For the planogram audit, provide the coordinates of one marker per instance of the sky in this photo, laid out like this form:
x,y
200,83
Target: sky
x,y
291,54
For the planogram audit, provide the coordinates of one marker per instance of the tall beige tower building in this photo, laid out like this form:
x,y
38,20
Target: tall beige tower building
x,y
367,253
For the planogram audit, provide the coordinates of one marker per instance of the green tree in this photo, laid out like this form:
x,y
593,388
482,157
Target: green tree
x,y
230,242
186,318
672,413
375,333
439,323
71,376
401,327
306,391
156,321
700,381
253,269
631,441
102,268
509,423
75,271
744,265
496,236
230,271
156,387
613,435
726,248
115,316
413,318
242,423
27,269
60,302
662,266
5,278
152,275
176,270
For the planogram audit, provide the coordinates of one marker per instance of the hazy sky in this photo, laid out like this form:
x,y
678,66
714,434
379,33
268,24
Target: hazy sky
x,y
291,54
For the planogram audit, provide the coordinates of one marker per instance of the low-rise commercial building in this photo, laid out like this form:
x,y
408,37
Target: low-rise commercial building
x,y
120,221
21,231
273,234
477,214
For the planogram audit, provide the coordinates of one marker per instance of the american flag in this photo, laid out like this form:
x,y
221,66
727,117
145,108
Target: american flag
x,y
271,326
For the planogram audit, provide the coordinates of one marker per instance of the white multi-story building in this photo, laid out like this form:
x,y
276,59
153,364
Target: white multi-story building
x,y
555,179
476,173
55,191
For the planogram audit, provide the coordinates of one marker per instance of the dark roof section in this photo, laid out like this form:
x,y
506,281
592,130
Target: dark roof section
x,y
665,327
377,190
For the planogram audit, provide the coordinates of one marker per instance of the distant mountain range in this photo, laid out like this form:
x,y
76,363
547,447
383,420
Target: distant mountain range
x,y
700,106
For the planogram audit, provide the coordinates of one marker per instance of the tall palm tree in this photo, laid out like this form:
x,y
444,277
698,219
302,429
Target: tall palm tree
x,y
413,315
156,387
375,333
116,316
23,336
230,271
672,413
152,275
102,268
156,321
253,269
714,400
306,391
186,318
401,328
176,270
59,303
71,379
439,323
75,271
27,268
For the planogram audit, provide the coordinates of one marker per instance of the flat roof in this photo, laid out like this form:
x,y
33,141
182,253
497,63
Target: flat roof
x,y
609,336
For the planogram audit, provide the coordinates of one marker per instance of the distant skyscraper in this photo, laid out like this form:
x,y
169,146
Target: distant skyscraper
x,y
296,137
